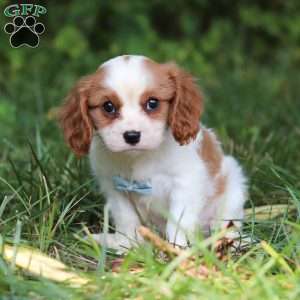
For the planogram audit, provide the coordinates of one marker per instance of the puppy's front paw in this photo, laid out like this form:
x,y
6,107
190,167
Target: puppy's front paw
x,y
179,241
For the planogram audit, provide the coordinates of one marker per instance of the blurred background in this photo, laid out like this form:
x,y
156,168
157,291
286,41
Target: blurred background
x,y
245,54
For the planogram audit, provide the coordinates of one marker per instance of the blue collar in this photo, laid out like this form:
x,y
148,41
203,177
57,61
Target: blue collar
x,y
139,187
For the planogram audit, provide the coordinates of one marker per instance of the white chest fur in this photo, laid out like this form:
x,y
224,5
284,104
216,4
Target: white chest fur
x,y
164,168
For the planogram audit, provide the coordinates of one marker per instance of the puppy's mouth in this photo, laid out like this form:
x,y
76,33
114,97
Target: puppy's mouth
x,y
129,152
132,152
134,149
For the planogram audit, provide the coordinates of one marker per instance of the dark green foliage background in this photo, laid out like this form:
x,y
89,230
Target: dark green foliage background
x,y
246,57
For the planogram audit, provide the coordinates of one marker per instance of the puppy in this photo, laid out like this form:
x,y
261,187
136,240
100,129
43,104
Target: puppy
x,y
138,121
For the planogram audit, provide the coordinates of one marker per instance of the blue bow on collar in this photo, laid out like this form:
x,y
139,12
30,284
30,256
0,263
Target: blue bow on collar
x,y
139,187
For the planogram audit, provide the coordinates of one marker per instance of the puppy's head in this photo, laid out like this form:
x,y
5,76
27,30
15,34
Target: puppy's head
x,y
130,101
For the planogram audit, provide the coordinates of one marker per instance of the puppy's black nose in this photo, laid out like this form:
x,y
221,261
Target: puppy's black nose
x,y
132,137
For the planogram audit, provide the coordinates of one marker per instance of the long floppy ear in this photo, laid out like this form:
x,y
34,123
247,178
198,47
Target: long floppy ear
x,y
186,107
74,119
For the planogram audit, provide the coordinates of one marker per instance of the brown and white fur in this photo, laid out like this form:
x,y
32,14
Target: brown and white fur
x,y
194,185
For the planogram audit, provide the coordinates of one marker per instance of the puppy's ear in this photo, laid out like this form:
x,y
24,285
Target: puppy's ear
x,y
74,118
186,106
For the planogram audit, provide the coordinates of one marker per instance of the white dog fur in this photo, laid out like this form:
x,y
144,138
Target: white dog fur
x,y
194,186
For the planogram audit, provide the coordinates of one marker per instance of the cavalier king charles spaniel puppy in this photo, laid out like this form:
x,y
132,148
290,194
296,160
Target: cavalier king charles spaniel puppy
x,y
155,163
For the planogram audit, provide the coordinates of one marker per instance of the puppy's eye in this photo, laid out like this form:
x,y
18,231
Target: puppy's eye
x,y
109,107
151,104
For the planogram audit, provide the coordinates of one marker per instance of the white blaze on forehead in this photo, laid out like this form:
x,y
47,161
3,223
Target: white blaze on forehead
x,y
128,76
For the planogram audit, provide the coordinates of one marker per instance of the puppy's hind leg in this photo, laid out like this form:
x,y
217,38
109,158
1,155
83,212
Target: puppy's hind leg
x,y
231,209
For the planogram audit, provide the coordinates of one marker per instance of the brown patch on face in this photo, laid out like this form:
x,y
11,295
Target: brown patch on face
x,y
100,118
210,152
161,112
183,97
74,116
162,89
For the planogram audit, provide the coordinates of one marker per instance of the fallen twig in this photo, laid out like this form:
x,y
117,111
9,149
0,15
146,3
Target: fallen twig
x,y
188,264
158,242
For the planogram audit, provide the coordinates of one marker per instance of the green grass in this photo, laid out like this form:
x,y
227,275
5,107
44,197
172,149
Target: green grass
x,y
48,197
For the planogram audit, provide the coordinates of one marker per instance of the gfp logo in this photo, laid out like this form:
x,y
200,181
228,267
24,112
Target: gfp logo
x,y
24,30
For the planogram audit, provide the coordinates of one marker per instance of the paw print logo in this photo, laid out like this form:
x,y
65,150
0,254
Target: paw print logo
x,y
24,31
